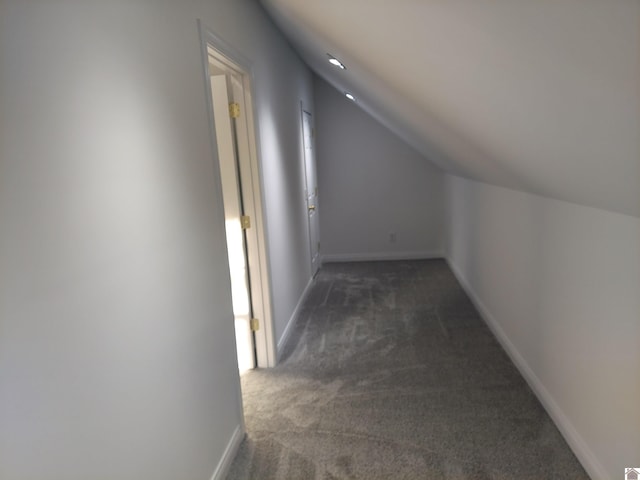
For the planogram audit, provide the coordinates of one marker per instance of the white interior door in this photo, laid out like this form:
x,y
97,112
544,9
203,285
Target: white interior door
x,y
242,191
233,211
311,190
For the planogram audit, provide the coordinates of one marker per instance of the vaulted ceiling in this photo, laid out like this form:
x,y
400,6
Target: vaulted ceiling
x,y
536,95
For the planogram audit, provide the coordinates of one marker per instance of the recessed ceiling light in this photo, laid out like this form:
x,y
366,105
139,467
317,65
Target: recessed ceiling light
x,y
349,96
334,61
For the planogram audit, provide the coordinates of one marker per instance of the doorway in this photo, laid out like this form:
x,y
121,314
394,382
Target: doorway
x,y
235,143
311,188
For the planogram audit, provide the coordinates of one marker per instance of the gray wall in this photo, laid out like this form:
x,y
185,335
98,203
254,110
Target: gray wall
x,y
559,284
117,356
539,96
371,183
280,90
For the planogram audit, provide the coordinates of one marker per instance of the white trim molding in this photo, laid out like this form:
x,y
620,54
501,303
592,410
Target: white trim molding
x,y
292,320
577,444
261,294
380,256
229,454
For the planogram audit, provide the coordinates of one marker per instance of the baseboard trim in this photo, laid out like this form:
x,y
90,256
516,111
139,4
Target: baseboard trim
x,y
229,454
577,444
292,320
379,256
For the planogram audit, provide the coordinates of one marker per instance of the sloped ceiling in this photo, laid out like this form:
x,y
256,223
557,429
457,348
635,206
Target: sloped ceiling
x,y
536,95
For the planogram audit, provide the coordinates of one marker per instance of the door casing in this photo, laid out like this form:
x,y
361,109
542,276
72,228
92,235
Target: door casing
x,y
251,194
311,187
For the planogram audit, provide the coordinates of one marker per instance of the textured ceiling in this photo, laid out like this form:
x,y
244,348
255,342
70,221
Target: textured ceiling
x,y
537,95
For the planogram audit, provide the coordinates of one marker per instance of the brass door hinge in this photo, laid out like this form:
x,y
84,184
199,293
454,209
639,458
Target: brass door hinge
x,y
234,110
245,222
254,324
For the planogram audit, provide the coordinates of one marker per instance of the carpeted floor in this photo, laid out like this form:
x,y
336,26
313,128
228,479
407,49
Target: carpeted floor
x,y
391,374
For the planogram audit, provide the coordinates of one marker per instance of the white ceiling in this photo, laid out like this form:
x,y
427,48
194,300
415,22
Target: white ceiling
x,y
536,95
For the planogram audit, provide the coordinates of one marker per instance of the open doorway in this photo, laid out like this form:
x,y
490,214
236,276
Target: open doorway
x,y
235,139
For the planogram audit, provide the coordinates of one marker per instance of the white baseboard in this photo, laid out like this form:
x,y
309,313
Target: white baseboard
x,y
292,320
577,444
229,454
379,256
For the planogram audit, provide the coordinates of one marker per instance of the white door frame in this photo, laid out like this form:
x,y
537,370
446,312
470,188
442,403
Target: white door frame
x,y
252,196
310,197
229,136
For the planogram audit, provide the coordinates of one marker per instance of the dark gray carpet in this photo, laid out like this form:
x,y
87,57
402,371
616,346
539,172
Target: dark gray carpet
x,y
391,374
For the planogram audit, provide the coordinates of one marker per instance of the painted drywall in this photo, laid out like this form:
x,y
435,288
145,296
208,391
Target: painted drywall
x,y
372,185
279,94
540,96
117,356
559,284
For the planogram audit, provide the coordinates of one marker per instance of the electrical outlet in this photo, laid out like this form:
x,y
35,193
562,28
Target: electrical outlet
x,y
392,237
